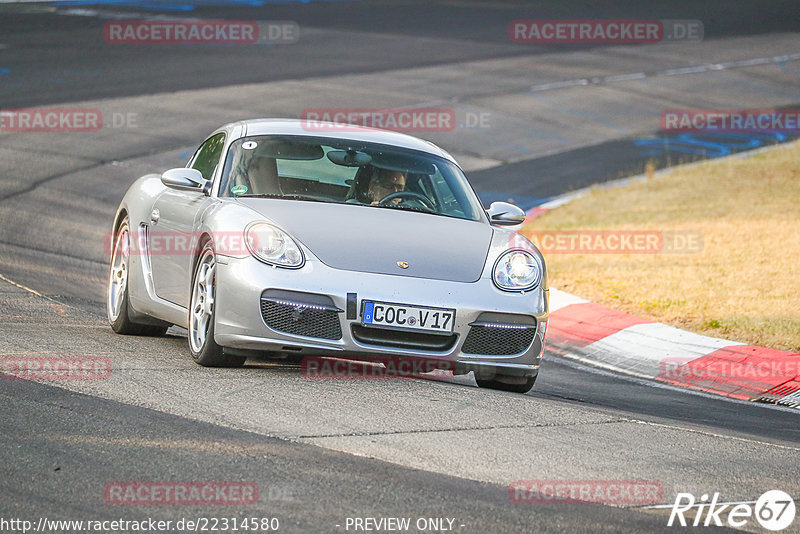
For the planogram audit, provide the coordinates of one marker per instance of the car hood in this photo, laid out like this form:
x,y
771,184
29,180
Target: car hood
x,y
373,240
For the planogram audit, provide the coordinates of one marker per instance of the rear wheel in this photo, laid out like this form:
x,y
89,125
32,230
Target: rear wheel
x,y
514,384
204,349
117,293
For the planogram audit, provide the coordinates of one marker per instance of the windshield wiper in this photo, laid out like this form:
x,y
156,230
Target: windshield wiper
x,y
279,196
402,207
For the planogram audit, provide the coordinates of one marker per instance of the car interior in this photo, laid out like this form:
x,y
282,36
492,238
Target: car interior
x,y
285,167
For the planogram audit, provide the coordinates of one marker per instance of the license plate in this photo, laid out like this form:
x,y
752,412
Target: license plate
x,y
404,317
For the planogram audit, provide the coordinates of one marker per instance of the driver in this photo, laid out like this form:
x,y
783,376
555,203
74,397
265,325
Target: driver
x,y
262,173
385,182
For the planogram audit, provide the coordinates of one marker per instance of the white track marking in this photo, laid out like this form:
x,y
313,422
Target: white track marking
x,y
692,69
59,306
560,299
642,348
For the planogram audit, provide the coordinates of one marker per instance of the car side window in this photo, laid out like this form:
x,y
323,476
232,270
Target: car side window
x,y
208,155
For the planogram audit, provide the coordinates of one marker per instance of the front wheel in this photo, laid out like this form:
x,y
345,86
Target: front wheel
x,y
204,349
514,384
117,292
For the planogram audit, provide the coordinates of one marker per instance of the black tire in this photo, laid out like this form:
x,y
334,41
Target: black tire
x,y
117,307
205,351
514,384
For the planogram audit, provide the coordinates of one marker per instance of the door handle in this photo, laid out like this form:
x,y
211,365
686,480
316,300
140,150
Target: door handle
x,y
155,215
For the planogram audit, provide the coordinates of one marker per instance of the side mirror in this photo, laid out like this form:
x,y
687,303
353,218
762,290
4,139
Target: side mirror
x,y
505,214
185,180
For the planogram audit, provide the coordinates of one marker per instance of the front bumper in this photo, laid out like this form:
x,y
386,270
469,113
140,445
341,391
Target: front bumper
x,y
240,324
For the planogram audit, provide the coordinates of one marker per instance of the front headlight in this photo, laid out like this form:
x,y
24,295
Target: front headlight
x,y
272,245
517,270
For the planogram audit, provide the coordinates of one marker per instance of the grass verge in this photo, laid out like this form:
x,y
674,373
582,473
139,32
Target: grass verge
x,y
742,284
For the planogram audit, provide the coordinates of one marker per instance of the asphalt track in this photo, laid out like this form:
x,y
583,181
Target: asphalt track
x,y
338,449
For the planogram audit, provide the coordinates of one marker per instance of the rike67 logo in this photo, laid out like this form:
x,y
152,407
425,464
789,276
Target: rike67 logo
x,y
774,510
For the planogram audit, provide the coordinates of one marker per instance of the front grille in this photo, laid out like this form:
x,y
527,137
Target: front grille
x,y
400,339
301,314
498,340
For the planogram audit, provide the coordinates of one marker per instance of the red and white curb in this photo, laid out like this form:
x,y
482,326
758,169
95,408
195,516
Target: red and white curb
x,y
615,340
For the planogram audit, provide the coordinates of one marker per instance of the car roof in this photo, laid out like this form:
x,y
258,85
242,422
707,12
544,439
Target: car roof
x,y
332,130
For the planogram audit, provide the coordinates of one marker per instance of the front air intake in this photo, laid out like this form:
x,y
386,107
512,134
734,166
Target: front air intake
x,y
301,314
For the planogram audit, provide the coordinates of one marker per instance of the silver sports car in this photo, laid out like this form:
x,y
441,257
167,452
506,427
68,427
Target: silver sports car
x,y
280,239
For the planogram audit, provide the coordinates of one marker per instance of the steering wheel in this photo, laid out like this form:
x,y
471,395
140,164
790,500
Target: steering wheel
x,y
408,196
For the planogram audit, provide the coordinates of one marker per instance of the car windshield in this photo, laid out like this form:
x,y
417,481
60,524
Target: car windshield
x,y
347,172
